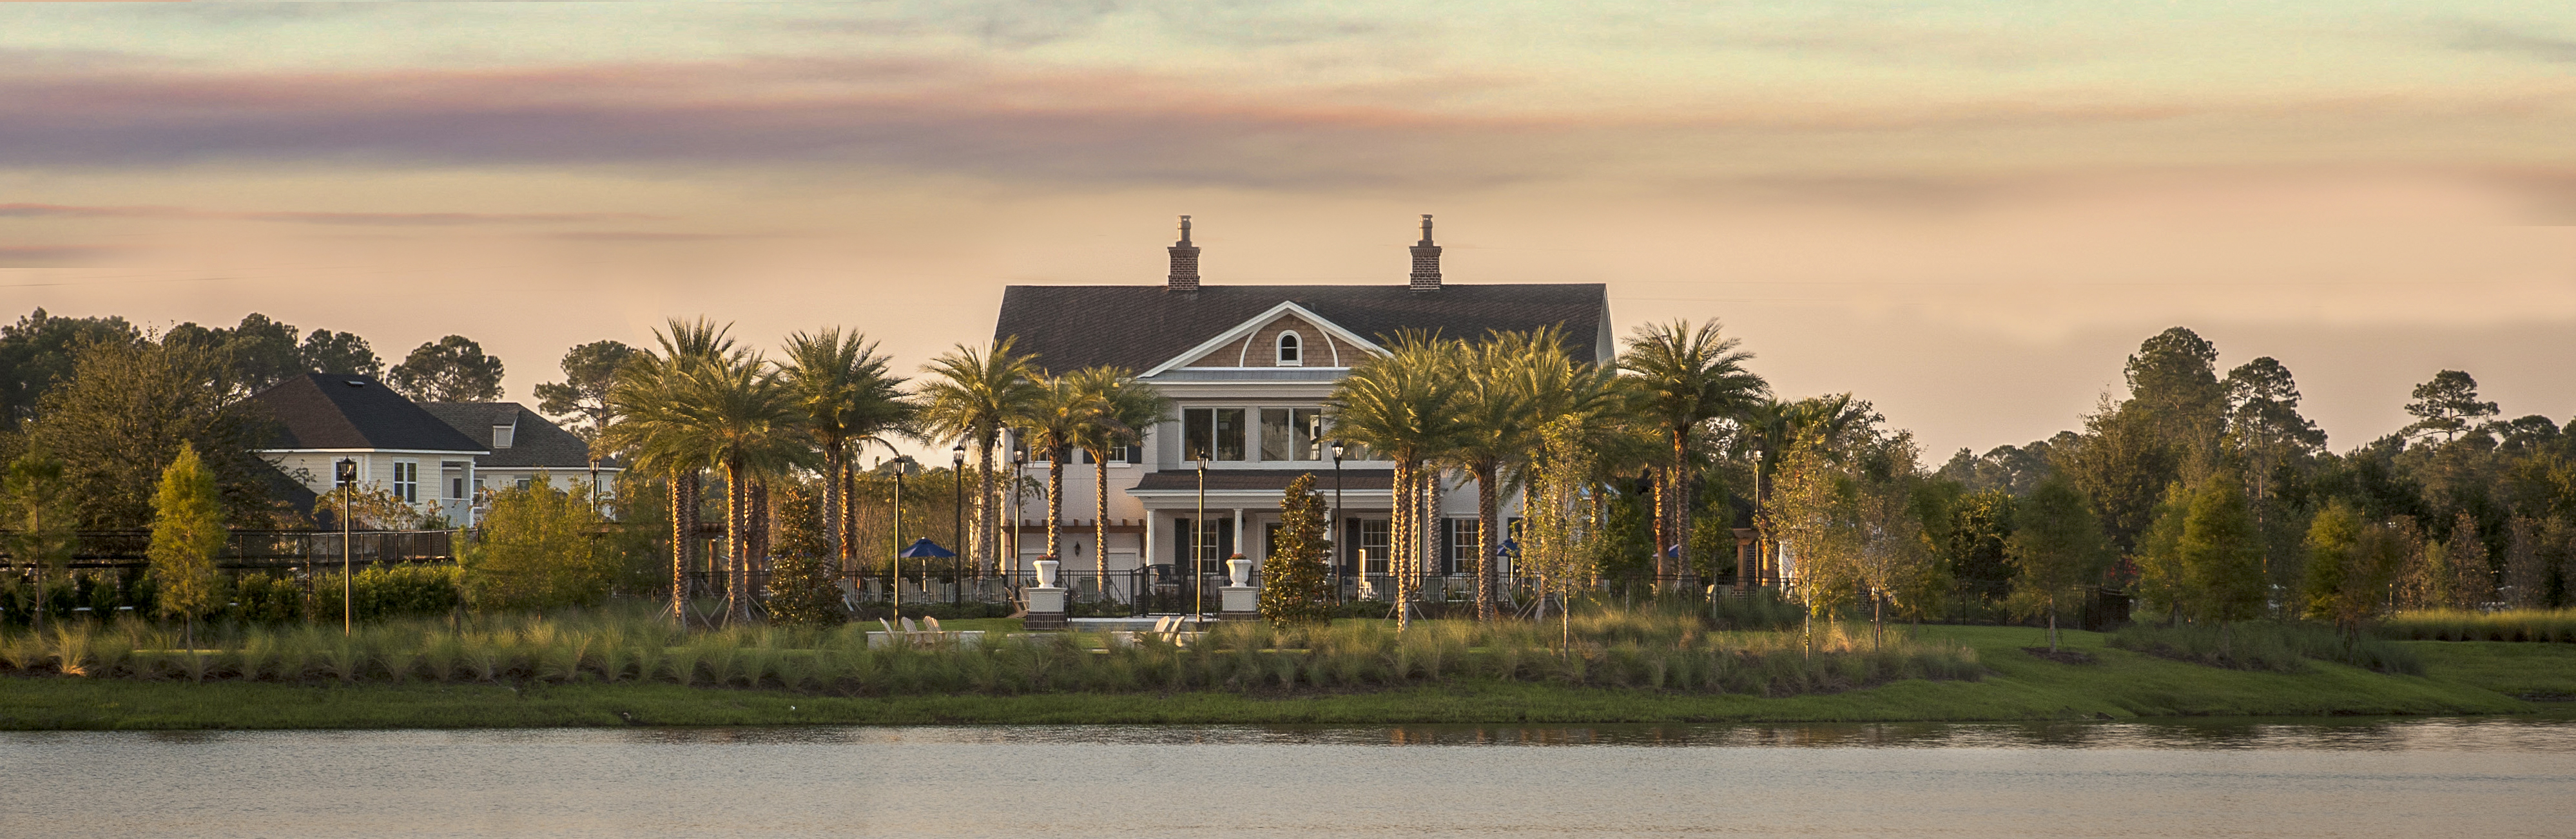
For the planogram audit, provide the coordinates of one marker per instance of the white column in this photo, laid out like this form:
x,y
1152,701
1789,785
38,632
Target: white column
x,y
1239,545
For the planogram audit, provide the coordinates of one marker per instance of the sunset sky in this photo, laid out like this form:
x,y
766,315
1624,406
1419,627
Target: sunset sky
x,y
1966,212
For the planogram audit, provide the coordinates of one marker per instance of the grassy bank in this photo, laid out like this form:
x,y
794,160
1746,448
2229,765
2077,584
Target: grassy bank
x,y
2460,678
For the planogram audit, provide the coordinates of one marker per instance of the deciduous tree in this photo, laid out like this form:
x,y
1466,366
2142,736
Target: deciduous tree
x,y
187,534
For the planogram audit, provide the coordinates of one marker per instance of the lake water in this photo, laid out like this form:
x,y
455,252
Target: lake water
x,y
2488,779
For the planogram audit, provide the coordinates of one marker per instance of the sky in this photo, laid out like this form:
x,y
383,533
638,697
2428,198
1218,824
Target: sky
x,y
1968,213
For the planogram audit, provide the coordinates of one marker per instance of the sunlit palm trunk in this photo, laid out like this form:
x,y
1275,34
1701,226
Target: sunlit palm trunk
x,y
1487,575
684,533
1402,544
988,525
737,543
1055,504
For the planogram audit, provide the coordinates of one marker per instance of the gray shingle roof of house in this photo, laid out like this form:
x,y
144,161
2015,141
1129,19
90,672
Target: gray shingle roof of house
x,y
346,411
1137,327
538,443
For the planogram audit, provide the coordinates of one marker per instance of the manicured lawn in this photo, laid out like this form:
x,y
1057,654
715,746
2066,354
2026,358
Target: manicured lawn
x,y
2463,677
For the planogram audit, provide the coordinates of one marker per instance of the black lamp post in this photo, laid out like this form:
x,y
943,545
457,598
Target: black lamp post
x,y
956,565
1198,547
1340,549
348,475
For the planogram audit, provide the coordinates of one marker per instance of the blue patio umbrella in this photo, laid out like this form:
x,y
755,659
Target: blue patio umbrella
x,y
926,549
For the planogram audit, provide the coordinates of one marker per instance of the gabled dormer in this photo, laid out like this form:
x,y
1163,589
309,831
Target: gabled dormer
x,y
1285,335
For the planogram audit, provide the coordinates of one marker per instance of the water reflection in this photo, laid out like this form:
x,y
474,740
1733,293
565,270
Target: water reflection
x,y
2498,777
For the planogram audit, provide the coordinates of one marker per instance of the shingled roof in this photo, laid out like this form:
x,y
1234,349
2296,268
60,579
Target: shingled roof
x,y
347,411
537,442
1138,327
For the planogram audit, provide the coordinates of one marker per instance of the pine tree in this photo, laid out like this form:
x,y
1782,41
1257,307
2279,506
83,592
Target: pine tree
x,y
39,524
1294,588
187,533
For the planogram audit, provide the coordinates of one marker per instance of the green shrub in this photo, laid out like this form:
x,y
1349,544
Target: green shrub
x,y
537,550
2262,645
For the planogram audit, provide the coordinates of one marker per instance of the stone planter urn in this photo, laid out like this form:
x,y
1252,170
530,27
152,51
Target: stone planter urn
x,y
1239,570
1046,572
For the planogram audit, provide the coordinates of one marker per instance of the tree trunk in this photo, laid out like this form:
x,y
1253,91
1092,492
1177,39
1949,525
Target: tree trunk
x,y
835,459
684,534
1055,503
1401,544
737,542
2052,623
1100,519
1663,521
988,529
1486,573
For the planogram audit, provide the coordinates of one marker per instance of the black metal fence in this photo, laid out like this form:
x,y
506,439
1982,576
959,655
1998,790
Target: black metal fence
x,y
256,549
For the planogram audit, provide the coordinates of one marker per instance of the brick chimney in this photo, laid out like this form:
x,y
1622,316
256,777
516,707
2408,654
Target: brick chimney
x,y
1185,262
1426,260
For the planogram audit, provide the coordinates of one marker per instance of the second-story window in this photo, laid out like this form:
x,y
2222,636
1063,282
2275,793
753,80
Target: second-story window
x,y
1292,434
1291,350
1216,433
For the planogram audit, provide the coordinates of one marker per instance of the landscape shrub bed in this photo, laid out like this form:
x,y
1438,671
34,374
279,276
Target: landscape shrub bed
x,y
2258,645
2526,625
1646,651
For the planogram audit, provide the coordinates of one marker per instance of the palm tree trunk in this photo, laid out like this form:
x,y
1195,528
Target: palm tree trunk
x,y
1486,574
1100,519
1055,502
1401,544
684,533
835,457
1663,522
737,542
987,526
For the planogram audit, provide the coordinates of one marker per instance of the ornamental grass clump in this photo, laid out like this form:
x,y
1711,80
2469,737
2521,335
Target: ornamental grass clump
x,y
1646,649
2522,625
2266,646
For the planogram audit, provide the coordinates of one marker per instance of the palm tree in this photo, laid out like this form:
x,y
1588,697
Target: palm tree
x,y
1773,426
643,425
739,416
1053,417
1686,377
974,396
1497,412
1128,407
1401,406
841,385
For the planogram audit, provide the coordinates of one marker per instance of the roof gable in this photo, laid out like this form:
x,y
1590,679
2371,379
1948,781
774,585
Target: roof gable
x,y
348,411
536,441
1225,344
1142,327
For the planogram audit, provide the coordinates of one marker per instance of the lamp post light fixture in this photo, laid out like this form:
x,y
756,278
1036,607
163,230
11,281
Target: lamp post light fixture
x,y
1339,548
957,535
894,564
347,472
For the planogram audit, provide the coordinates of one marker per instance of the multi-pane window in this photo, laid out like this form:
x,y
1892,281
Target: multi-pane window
x,y
1291,350
1215,542
407,480
1214,433
1462,546
1372,544
1292,433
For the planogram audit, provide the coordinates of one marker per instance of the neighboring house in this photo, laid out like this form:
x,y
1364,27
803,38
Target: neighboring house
x,y
523,444
324,418
1248,368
